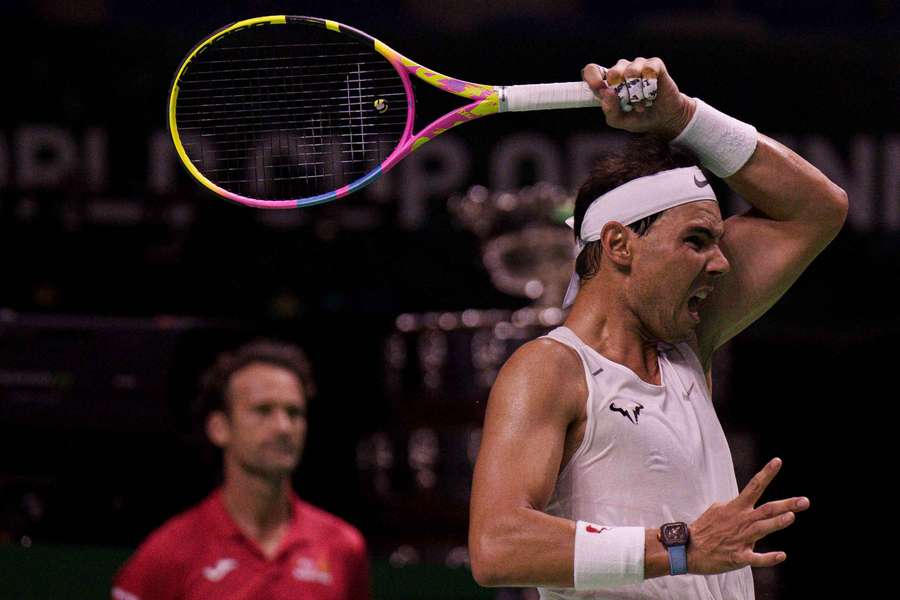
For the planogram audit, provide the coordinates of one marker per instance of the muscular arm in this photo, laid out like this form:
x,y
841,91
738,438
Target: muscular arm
x,y
796,212
512,542
536,399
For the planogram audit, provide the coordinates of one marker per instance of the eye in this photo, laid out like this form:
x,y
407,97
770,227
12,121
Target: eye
x,y
295,413
694,242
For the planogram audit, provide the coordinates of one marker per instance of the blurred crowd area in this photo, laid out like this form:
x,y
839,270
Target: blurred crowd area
x,y
122,278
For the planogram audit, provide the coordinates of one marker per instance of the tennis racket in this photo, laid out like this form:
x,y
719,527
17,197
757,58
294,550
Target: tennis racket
x,y
285,112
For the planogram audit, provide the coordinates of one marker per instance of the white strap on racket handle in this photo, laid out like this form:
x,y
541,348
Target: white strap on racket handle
x,y
546,96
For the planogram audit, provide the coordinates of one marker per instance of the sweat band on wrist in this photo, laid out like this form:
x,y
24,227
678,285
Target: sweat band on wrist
x,y
608,556
722,143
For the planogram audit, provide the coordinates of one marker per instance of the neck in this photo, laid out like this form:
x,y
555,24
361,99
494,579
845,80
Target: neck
x,y
602,320
259,505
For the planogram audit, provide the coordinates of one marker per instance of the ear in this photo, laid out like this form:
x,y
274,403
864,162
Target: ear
x,y
218,428
616,241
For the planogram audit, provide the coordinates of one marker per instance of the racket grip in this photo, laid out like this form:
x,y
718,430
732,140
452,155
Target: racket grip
x,y
546,96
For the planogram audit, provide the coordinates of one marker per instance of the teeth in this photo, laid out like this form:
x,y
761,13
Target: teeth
x,y
701,294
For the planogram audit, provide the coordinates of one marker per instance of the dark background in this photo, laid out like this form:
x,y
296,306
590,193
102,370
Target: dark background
x,y
121,278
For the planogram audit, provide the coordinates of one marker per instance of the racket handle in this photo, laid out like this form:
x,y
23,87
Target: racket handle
x,y
546,96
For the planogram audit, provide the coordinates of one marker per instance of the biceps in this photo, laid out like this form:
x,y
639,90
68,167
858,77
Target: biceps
x,y
518,464
766,258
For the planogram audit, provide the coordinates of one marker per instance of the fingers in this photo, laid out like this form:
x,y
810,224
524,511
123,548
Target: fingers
x,y
636,82
595,76
767,559
773,509
633,83
616,78
597,79
775,515
650,74
752,492
761,529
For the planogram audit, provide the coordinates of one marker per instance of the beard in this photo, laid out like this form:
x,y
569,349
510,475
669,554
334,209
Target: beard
x,y
272,459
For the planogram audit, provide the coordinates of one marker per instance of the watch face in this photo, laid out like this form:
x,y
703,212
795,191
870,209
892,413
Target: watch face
x,y
674,534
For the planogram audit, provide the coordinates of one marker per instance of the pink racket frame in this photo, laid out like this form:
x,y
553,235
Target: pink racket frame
x,y
485,101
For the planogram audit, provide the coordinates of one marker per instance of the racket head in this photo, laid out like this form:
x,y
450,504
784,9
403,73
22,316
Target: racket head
x,y
290,111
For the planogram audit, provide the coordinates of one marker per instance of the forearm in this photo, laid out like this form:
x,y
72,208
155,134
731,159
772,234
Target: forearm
x,y
527,547
783,186
523,547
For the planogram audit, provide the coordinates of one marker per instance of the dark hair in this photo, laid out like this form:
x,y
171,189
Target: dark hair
x,y
642,155
214,382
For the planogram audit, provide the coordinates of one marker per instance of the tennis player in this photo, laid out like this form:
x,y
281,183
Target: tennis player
x,y
603,470
252,538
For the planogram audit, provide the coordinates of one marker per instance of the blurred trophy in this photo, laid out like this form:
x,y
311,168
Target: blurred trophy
x,y
526,247
439,366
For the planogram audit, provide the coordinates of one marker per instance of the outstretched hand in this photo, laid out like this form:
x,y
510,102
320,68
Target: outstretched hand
x,y
640,96
722,538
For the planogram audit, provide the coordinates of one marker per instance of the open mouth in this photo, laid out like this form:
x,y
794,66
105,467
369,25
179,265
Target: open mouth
x,y
695,302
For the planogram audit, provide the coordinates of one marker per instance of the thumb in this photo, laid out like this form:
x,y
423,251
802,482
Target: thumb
x,y
609,102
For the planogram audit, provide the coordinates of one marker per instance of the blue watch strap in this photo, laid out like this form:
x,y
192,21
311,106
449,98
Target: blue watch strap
x,y
677,560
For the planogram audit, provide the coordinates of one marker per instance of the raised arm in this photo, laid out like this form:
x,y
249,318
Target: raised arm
x,y
796,210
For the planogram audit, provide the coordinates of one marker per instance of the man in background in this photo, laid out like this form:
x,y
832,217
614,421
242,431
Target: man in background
x,y
252,537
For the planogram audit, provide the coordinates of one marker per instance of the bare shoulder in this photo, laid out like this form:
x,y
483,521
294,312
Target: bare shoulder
x,y
533,404
543,376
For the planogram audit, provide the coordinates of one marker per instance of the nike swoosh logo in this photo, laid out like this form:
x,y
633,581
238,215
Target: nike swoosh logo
x,y
700,183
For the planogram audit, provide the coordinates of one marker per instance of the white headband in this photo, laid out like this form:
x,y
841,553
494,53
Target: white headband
x,y
635,200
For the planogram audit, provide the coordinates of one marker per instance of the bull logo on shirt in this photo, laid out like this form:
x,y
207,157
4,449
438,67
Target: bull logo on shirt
x,y
630,409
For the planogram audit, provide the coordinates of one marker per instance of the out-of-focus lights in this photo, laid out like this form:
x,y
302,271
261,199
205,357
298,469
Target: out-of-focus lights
x,y
406,322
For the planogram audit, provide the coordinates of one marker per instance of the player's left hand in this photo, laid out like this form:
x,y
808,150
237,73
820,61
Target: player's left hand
x,y
640,96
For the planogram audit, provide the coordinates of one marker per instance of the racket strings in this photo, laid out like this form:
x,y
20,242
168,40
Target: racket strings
x,y
279,73
239,108
266,117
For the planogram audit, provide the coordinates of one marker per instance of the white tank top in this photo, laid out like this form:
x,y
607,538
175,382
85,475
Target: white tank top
x,y
651,454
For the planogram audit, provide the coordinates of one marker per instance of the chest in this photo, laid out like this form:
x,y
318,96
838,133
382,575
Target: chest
x,y
669,432
656,433
236,572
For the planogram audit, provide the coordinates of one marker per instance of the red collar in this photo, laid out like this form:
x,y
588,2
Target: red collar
x,y
222,524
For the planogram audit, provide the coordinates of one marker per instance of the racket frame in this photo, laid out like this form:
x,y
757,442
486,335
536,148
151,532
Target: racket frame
x,y
485,100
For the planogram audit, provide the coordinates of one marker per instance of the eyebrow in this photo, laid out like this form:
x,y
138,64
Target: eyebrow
x,y
704,231
268,401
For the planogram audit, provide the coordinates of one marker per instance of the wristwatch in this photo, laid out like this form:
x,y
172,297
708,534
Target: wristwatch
x,y
675,537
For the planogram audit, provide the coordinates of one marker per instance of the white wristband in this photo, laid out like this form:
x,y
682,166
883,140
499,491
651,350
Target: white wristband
x,y
608,556
722,143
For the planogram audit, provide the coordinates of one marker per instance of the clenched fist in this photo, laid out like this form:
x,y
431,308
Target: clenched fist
x,y
640,96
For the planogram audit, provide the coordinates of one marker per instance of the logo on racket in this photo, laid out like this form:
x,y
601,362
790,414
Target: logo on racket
x,y
380,105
